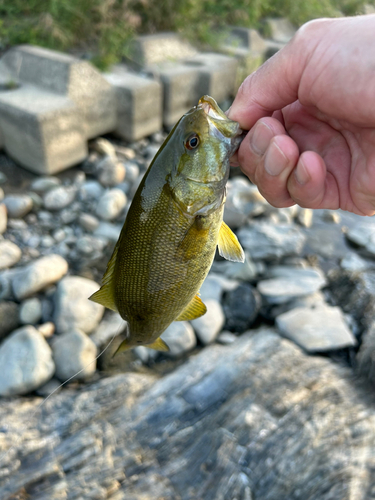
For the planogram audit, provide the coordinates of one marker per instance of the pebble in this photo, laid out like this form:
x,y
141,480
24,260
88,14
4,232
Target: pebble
x,y
361,234
265,241
331,216
30,311
18,205
90,190
59,197
111,326
3,218
10,254
208,326
214,286
111,204
244,271
47,329
132,171
353,262
59,235
37,202
38,275
47,241
51,387
3,178
1,194
318,329
299,283
180,338
18,224
43,184
74,354
68,215
26,362
88,222
226,338
9,318
73,310
241,307
104,147
305,217
111,172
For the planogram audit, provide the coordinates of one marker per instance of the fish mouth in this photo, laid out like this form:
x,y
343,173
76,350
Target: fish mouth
x,y
221,124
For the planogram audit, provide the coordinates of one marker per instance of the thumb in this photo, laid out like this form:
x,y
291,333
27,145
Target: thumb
x,y
274,85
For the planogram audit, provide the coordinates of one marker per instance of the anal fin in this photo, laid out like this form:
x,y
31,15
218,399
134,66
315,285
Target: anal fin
x,y
229,246
194,309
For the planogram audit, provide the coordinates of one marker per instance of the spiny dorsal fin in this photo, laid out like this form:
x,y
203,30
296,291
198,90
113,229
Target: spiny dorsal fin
x,y
158,345
106,293
229,246
193,310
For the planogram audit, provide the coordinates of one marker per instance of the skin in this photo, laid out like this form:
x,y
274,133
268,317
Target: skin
x,y
310,112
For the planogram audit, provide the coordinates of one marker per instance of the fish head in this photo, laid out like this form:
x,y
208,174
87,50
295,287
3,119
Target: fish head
x,y
205,139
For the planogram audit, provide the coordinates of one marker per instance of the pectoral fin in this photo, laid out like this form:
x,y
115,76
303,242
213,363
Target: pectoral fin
x,y
106,293
193,310
229,246
158,345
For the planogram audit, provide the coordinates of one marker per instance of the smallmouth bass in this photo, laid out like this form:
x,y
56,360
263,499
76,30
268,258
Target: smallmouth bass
x,y
173,226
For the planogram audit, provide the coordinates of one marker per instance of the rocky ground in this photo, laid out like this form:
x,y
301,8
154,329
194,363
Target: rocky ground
x,y
267,396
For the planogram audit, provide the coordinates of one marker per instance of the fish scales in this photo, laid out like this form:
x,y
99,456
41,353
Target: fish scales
x,y
173,226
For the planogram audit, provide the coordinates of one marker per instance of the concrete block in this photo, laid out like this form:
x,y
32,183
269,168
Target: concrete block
x,y
161,47
41,131
139,103
245,38
58,103
218,74
279,29
181,89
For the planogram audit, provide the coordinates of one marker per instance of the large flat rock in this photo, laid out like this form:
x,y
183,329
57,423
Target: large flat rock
x,y
256,419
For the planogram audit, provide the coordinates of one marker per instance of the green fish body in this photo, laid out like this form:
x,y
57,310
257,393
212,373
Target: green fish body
x,y
173,226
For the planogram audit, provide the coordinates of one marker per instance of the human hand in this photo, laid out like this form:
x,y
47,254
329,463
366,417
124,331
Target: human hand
x,y
310,112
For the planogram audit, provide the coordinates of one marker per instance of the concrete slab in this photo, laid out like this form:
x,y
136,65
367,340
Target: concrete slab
x,y
154,49
181,88
43,132
60,103
218,74
139,103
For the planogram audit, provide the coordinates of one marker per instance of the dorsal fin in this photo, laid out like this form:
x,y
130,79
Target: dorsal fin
x,y
229,246
193,310
106,293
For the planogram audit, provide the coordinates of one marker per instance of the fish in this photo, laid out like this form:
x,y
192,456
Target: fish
x,y
172,229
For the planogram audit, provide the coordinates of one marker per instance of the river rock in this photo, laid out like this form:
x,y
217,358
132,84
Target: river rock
x,y
111,204
132,171
90,190
265,241
111,326
31,311
18,205
305,217
108,230
297,283
353,262
88,222
111,172
3,218
46,329
26,362
38,275
241,307
74,354
10,254
318,329
9,318
215,285
73,310
180,338
244,271
43,184
208,326
59,197
256,419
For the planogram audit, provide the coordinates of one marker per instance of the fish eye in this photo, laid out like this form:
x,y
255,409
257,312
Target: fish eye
x,y
192,142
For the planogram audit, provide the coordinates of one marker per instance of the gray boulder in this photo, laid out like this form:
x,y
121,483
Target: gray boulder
x,y
208,326
26,362
73,309
74,354
255,419
38,275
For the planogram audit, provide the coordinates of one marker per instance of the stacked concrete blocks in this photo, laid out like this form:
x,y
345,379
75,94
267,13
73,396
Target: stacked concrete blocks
x,y
139,103
59,104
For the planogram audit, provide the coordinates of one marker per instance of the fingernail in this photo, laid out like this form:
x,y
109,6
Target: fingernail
x,y
260,138
275,161
301,174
